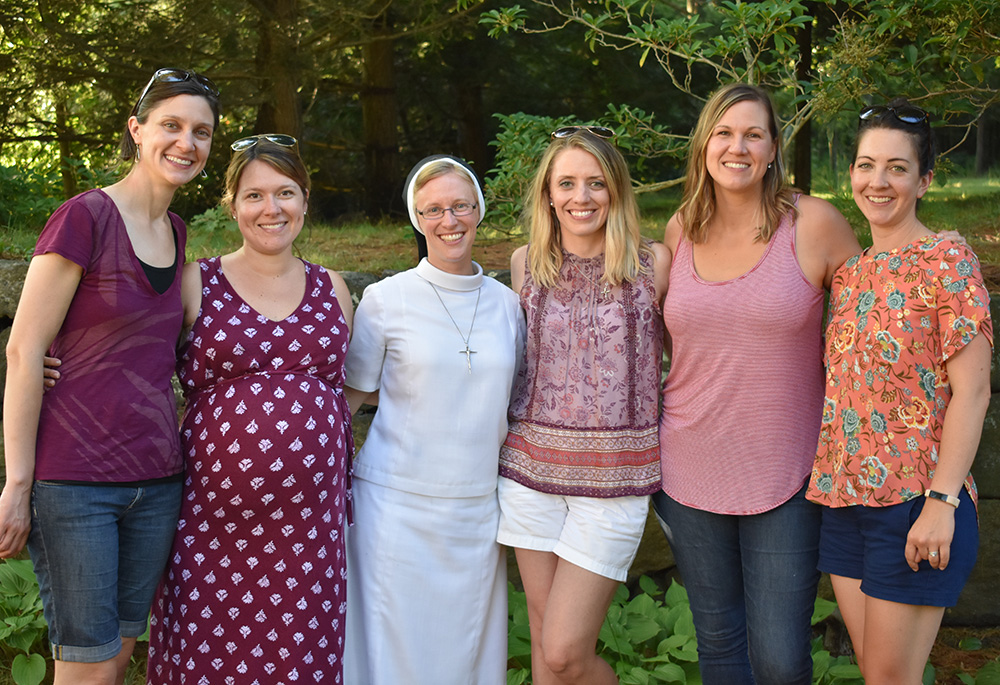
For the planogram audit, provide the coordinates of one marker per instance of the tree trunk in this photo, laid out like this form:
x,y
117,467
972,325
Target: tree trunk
x,y
277,51
378,109
982,144
802,164
65,154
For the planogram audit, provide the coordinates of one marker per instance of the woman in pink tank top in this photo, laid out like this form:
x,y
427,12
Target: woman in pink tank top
x,y
742,403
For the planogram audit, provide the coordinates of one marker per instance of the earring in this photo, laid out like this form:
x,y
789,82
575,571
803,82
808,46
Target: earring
x,y
204,174
770,164
138,154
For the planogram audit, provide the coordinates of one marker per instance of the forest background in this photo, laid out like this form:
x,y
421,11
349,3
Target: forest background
x,y
371,86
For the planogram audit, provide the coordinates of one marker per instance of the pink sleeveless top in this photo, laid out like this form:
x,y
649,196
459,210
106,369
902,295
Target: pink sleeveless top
x,y
743,399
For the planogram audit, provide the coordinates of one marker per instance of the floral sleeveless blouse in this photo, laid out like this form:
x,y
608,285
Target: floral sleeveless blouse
x,y
583,418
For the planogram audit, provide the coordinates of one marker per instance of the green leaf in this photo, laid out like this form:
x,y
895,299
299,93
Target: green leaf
x,y
670,673
970,644
989,674
910,52
928,678
517,676
845,671
822,609
28,670
649,586
676,594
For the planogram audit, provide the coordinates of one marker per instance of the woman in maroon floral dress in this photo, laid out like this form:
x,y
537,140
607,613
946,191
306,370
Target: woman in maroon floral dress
x,y
255,591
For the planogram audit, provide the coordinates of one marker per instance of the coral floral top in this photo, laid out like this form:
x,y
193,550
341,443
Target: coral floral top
x,y
895,319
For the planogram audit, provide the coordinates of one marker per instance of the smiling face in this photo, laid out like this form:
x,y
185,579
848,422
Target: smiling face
x,y
885,178
175,139
578,191
269,207
740,147
449,238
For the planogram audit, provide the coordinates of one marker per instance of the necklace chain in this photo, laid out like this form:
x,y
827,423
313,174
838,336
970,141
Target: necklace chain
x,y
465,338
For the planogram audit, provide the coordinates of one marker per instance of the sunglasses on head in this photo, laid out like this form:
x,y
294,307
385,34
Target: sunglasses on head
x,y
276,138
908,114
567,131
177,76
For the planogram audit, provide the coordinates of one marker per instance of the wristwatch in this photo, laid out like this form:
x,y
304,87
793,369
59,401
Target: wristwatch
x,y
950,499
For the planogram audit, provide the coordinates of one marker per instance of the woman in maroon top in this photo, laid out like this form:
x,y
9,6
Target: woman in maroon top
x,y
93,470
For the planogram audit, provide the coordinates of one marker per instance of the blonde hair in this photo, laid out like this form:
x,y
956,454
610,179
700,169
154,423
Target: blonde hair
x,y
623,243
698,203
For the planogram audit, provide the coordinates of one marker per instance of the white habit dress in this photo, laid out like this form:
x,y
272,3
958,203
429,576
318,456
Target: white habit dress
x,y
427,581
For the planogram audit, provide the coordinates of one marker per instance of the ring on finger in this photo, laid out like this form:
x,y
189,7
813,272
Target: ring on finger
x,y
932,555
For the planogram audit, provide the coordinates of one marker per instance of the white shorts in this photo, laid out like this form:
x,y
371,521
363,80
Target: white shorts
x,y
600,535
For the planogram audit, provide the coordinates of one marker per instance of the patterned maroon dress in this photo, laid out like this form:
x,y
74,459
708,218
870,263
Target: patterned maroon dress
x,y
255,590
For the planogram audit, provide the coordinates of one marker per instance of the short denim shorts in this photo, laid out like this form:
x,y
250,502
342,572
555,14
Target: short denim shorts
x,y
99,552
869,543
598,534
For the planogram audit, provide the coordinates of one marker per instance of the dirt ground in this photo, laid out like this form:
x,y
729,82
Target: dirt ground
x,y
949,659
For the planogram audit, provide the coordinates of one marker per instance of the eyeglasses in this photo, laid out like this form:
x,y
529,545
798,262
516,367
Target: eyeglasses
x,y
908,114
567,131
458,209
177,76
276,138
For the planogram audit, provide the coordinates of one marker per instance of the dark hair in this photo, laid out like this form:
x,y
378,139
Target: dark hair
x,y
283,159
888,116
157,92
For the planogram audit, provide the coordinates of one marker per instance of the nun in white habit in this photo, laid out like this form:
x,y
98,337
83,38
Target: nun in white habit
x,y
436,347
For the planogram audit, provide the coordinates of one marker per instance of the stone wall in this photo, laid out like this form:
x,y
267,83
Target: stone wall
x,y
979,603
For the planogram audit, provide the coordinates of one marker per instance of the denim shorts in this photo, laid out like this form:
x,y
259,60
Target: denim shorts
x,y
598,534
869,543
99,552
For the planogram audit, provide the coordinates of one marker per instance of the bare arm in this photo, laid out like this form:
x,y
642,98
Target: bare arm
x,y
190,295
356,398
661,270
824,240
48,290
969,375
672,234
517,268
343,298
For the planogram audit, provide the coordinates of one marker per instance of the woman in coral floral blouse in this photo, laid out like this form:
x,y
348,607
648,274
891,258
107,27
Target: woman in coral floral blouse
x,y
907,387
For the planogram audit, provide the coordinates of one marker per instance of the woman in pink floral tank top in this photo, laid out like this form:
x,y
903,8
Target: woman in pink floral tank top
x,y
581,456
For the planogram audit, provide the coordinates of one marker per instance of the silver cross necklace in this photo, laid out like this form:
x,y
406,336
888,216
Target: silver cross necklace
x,y
465,338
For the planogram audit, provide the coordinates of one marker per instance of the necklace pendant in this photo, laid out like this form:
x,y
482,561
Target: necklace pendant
x,y
468,356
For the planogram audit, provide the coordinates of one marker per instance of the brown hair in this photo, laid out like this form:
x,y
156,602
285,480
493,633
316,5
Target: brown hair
x,y
283,159
157,92
698,202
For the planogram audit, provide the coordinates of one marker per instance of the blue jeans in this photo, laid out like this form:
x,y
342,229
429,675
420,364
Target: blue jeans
x,y
99,552
752,582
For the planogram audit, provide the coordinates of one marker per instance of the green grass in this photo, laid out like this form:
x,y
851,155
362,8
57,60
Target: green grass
x,y
970,206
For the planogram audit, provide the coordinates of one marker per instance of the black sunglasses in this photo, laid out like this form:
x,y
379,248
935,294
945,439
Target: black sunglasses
x,y
908,114
567,131
276,138
177,76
